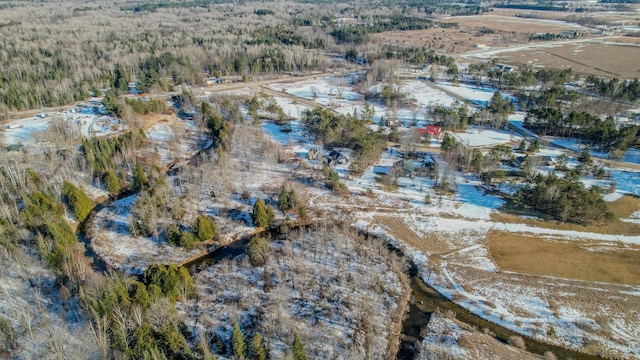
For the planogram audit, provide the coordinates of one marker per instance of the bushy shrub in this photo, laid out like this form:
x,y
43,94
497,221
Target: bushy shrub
x,y
173,280
258,251
259,214
204,228
287,199
516,341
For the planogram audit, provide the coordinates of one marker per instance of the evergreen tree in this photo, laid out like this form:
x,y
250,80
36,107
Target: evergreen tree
x,y
258,349
110,101
204,228
221,347
585,157
111,182
534,147
283,200
298,348
258,251
293,198
271,214
187,240
139,178
522,147
238,344
140,294
77,200
448,143
172,280
173,235
259,214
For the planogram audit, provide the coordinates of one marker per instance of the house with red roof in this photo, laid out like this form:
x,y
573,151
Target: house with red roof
x,y
431,132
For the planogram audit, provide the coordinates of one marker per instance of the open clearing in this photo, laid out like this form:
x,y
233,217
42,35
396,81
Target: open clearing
x,y
515,24
432,243
623,208
575,260
601,57
491,30
617,17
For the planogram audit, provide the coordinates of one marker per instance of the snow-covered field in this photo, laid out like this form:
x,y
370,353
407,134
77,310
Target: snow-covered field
x,y
339,95
477,95
425,96
31,131
537,306
478,137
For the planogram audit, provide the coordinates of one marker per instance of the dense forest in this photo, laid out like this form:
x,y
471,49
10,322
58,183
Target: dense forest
x,y
590,129
156,46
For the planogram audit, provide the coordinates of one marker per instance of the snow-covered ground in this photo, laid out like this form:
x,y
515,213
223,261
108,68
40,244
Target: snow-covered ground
x,y
113,242
477,95
339,95
340,295
447,338
44,323
426,96
450,232
537,306
175,141
31,131
479,137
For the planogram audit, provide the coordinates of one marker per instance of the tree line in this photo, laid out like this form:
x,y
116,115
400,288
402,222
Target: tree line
x,y
615,89
603,134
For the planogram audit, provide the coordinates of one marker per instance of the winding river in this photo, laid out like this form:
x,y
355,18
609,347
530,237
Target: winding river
x,y
426,300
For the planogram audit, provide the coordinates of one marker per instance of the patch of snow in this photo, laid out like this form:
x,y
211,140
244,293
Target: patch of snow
x,y
478,137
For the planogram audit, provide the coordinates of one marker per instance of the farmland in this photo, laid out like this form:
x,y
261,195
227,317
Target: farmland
x,y
587,56
255,180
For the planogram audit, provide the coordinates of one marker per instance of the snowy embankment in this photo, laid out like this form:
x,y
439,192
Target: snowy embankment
x,y
531,305
43,322
447,338
112,240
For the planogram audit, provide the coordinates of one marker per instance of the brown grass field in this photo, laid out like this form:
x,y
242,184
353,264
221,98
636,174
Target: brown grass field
x,y
622,208
507,30
512,23
604,16
594,57
530,255
399,229
443,41
603,56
